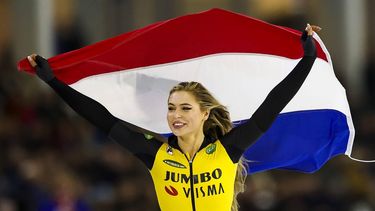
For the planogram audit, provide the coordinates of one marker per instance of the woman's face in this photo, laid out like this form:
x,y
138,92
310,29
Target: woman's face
x,y
184,114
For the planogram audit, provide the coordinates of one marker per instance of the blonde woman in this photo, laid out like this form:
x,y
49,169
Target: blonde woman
x,y
200,167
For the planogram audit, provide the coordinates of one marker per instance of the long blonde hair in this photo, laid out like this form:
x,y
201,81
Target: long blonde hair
x,y
216,126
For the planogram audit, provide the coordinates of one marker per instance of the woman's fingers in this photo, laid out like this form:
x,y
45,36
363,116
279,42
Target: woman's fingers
x,y
31,60
312,28
309,29
316,28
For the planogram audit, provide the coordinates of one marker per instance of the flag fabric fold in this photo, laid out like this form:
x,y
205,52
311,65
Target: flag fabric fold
x,y
239,59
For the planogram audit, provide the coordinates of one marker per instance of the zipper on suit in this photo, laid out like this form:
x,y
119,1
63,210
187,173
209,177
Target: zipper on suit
x,y
191,182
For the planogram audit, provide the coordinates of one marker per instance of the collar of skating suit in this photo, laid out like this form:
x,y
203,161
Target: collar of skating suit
x,y
173,142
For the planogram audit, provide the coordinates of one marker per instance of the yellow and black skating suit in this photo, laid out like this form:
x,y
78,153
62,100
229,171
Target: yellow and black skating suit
x,y
202,182
206,181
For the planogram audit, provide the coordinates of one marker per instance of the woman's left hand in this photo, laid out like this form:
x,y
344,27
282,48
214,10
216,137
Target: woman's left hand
x,y
307,40
312,28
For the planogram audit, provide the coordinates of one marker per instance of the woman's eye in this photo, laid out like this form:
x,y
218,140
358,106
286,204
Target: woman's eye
x,y
186,108
170,108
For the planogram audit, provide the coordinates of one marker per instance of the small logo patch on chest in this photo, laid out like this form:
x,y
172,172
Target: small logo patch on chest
x,y
174,164
211,149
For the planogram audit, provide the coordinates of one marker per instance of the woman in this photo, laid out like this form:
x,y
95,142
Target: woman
x,y
200,167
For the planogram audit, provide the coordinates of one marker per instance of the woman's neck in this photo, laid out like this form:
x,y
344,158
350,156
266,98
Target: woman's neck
x,y
190,144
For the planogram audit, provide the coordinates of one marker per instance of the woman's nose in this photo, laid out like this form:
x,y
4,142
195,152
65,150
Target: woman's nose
x,y
177,113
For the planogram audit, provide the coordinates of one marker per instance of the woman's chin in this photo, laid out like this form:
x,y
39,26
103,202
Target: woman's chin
x,y
178,132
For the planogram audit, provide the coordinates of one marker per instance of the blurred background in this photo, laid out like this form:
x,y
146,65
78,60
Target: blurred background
x,y
52,159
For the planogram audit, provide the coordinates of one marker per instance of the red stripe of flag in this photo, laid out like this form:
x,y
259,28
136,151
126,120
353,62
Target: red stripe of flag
x,y
186,37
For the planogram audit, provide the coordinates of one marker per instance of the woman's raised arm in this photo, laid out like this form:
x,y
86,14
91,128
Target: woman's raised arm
x,y
126,134
241,137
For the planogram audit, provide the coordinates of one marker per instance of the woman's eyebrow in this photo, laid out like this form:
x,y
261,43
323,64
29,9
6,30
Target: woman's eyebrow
x,y
182,104
185,104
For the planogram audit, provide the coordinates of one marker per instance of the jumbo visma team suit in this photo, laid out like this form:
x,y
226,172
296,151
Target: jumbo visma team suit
x,y
239,59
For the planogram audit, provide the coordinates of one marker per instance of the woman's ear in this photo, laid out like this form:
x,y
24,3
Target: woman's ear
x,y
206,115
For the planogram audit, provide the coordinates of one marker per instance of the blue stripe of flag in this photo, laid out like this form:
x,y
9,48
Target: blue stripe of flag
x,y
300,141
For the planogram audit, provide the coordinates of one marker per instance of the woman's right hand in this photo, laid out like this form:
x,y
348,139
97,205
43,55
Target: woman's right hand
x,y
42,68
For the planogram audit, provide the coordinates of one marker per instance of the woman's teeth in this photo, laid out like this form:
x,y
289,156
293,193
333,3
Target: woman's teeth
x,y
178,124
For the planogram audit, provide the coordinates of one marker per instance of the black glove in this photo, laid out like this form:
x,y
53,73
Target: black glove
x,y
308,44
43,70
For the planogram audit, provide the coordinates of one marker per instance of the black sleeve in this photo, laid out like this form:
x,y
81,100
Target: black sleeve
x,y
120,131
241,137
88,108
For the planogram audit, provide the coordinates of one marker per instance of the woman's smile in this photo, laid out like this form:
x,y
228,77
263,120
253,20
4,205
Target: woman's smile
x,y
178,125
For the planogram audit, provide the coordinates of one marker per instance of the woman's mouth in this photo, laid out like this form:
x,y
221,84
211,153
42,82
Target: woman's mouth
x,y
178,125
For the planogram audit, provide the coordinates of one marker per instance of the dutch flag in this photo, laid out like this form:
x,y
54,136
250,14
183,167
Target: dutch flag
x,y
239,59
